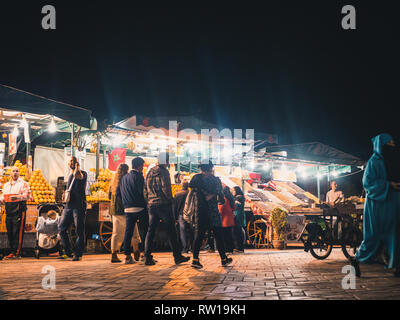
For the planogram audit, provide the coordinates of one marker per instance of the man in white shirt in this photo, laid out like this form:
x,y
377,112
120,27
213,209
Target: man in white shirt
x,y
15,194
334,196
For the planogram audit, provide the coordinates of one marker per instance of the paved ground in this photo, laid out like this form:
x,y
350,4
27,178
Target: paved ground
x,y
257,274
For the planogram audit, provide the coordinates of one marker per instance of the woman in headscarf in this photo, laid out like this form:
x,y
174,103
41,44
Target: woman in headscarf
x,y
228,219
381,211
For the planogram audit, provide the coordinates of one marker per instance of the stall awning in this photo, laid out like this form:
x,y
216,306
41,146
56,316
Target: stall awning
x,y
318,152
18,100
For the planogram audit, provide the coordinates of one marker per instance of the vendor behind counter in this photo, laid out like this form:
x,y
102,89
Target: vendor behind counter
x,y
15,194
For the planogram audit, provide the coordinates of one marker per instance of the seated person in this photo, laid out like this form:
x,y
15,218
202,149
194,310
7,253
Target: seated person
x,y
334,196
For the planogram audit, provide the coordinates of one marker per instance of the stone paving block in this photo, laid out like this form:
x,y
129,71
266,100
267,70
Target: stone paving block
x,y
258,274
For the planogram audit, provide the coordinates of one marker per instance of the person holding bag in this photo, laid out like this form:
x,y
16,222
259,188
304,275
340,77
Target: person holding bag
x,y
205,214
74,211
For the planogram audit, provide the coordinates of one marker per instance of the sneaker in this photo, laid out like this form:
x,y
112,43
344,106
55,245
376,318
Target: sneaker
x,y
211,251
226,261
129,260
114,258
10,256
238,251
181,259
76,258
136,255
196,264
65,256
150,261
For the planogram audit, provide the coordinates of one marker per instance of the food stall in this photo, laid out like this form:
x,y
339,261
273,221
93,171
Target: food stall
x,y
284,168
25,118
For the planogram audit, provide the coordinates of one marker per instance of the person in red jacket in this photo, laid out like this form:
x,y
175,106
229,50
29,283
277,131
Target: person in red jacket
x,y
228,219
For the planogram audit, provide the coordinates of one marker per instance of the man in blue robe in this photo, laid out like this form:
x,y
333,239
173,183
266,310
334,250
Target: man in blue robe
x,y
381,211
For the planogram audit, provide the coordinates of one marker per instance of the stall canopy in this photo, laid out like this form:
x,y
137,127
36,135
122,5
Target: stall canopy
x,y
18,100
316,152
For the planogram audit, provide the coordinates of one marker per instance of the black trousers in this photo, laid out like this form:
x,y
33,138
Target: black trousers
x,y
228,238
199,238
239,234
15,225
143,223
165,213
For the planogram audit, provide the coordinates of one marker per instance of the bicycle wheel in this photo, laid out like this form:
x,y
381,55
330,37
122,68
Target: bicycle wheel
x,y
352,238
321,251
320,248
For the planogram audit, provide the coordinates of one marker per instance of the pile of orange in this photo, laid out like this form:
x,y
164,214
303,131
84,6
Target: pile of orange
x,y
42,192
22,168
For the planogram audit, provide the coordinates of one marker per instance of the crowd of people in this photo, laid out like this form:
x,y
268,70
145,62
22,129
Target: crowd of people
x,y
204,208
137,205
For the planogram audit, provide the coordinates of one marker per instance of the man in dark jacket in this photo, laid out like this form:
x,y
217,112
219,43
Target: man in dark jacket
x,y
158,193
184,227
130,190
74,212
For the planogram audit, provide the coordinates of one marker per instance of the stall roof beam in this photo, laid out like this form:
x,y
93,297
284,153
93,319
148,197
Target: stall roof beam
x,y
18,100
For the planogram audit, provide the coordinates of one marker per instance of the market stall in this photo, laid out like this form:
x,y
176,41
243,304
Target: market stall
x,y
24,118
283,169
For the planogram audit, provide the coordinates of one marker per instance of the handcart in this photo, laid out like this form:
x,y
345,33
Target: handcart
x,y
338,226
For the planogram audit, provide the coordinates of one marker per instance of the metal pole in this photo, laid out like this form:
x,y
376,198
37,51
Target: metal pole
x,y
318,184
72,140
241,172
97,154
28,145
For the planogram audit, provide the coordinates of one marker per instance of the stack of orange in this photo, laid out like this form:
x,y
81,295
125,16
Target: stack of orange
x,y
22,168
42,192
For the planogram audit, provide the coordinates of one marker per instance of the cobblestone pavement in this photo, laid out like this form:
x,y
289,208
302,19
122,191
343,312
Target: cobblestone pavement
x,y
257,274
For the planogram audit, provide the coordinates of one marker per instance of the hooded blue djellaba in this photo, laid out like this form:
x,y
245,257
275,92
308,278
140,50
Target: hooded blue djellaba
x,y
381,211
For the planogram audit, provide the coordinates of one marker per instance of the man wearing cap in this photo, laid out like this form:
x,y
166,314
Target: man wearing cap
x,y
158,193
15,194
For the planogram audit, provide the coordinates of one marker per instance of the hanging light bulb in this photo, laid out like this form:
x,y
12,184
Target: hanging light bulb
x,y
15,131
23,123
52,126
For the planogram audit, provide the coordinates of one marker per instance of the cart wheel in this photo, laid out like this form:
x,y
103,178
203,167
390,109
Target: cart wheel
x,y
105,235
321,251
257,231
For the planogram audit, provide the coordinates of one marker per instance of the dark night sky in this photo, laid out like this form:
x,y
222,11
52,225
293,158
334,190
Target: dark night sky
x,y
284,67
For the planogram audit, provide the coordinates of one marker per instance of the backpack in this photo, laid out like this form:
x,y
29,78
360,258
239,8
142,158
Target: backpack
x,y
190,207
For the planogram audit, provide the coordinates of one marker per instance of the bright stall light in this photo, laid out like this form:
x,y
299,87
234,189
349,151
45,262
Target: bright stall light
x,y
267,166
52,126
335,173
251,166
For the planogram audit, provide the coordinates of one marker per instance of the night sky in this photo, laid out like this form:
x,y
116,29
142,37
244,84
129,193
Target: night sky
x,y
283,67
